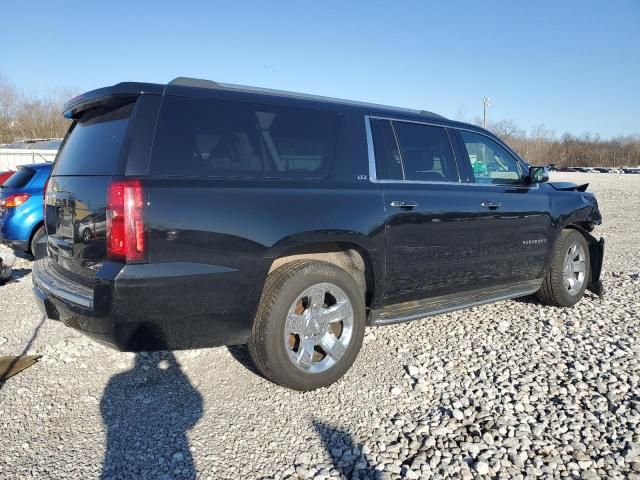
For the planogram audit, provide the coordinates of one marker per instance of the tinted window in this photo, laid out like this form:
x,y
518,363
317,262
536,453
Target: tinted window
x,y
426,153
388,163
20,178
491,163
93,144
214,138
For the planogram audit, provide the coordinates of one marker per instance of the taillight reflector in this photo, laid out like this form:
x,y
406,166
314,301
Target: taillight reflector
x,y
126,235
14,200
44,202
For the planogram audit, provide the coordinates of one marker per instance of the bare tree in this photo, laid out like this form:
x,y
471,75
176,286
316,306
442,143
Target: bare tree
x,y
461,114
23,117
9,106
506,129
541,147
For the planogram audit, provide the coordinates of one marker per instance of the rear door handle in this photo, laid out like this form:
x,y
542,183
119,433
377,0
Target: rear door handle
x,y
404,204
490,205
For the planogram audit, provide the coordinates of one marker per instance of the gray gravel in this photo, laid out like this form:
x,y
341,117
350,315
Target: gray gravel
x,y
509,390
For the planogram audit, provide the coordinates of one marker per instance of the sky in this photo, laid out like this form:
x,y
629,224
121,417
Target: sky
x,y
573,66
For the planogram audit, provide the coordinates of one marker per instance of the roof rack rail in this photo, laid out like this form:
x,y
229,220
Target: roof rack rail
x,y
200,83
194,82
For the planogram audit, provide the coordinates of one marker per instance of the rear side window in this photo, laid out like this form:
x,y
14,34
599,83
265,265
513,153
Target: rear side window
x,y
215,138
20,178
426,153
388,162
94,142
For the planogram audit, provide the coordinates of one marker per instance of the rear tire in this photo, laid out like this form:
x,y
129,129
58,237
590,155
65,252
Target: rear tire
x,y
309,326
39,233
569,273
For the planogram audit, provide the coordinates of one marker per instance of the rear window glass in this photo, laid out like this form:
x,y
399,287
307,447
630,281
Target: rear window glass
x,y
20,178
94,142
215,138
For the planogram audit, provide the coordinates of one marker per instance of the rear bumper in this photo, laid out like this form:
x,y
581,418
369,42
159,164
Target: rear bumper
x,y
18,245
19,223
138,307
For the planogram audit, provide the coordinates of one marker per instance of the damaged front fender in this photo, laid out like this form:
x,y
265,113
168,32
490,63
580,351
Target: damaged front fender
x,y
569,186
596,258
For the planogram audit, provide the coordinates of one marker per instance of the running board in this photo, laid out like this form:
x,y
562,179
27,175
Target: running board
x,y
404,312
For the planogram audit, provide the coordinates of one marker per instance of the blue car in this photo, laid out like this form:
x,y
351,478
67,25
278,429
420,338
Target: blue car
x,y
21,214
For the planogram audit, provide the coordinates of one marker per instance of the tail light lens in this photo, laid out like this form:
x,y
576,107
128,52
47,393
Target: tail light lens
x,y
14,200
126,231
44,203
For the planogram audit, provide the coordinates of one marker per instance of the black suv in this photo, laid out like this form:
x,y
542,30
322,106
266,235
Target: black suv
x,y
198,214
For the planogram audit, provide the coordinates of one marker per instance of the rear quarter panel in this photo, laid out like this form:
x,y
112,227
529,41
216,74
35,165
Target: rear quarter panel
x,y
225,234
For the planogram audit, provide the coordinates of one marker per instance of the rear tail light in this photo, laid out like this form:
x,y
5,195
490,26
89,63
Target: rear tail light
x,y
126,231
44,203
14,200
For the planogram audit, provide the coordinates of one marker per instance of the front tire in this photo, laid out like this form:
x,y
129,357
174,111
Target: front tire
x,y
309,326
569,273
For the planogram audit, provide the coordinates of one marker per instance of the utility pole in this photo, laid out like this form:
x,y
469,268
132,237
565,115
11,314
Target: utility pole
x,y
485,104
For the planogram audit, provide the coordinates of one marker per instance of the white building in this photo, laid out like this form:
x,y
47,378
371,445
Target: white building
x,y
28,151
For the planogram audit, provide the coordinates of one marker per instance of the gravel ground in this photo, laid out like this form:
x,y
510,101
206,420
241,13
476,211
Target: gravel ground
x,y
508,390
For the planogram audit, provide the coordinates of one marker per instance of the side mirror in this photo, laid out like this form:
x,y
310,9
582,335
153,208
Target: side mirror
x,y
538,174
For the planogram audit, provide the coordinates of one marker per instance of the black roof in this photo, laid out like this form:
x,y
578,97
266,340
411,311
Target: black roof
x,y
209,84
208,88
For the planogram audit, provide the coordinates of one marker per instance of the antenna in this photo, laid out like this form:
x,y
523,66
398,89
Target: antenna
x,y
485,105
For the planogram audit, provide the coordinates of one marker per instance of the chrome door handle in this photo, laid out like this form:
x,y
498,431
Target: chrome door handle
x,y
490,205
404,204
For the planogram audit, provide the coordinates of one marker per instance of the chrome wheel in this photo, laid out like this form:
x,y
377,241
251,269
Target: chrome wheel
x,y
319,328
575,267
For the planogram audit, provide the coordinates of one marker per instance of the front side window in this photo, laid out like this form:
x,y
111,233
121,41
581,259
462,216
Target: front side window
x,y
491,163
216,138
426,153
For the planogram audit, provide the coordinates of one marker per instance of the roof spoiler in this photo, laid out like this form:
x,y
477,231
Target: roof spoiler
x,y
115,95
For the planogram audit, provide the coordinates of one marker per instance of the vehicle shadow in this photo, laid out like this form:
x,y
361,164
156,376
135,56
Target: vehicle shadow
x,y
529,299
241,354
18,273
147,412
23,255
347,456
533,300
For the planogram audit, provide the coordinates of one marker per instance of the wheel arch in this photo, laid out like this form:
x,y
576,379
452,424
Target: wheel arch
x,y
352,255
596,254
34,229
